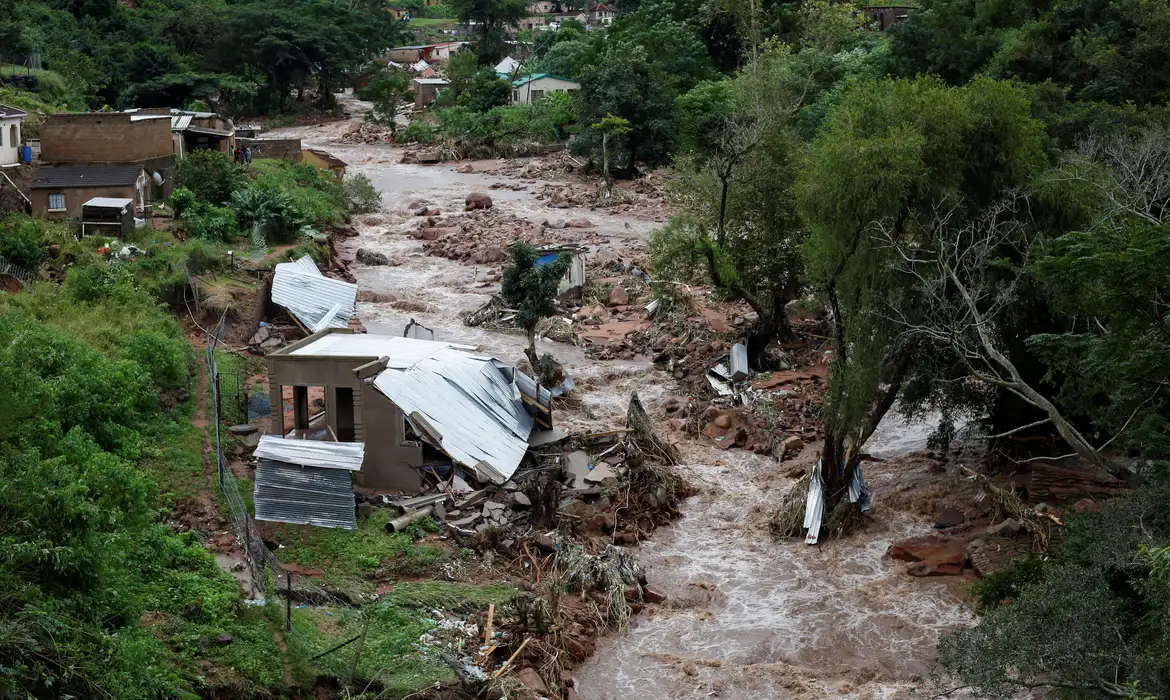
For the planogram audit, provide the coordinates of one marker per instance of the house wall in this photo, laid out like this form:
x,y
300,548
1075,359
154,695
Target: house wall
x,y
74,198
104,138
9,146
318,162
425,94
405,55
389,460
281,149
523,94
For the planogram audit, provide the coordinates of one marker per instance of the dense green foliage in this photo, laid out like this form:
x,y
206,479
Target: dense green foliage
x,y
247,56
89,370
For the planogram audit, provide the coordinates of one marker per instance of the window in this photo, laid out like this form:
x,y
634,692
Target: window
x,y
12,137
536,95
57,202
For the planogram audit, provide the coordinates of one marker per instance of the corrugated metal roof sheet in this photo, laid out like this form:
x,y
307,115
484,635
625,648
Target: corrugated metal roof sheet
x,y
179,122
109,202
403,352
288,493
312,453
466,406
310,296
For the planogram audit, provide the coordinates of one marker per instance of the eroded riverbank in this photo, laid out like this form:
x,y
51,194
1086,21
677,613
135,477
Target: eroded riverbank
x,y
747,617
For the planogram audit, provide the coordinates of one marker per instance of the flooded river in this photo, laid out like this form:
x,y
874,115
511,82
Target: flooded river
x,y
747,616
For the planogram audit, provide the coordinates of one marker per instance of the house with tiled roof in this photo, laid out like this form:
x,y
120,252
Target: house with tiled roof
x,y
59,191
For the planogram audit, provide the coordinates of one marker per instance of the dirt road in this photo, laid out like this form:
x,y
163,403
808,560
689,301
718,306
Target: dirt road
x,y
747,617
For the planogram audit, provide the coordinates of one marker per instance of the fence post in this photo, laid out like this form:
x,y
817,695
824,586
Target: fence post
x,y
288,602
357,654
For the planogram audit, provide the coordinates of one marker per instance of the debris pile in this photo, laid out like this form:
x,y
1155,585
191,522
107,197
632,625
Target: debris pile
x,y
366,132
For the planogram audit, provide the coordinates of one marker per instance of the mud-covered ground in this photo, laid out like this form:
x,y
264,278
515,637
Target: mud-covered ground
x,y
747,616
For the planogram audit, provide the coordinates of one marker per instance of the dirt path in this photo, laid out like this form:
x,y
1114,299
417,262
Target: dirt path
x,y
748,617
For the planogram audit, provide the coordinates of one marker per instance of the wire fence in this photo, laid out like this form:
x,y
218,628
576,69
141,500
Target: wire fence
x,y
22,274
269,576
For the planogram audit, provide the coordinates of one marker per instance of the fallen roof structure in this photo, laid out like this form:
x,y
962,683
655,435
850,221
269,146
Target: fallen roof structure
x,y
469,406
306,482
315,301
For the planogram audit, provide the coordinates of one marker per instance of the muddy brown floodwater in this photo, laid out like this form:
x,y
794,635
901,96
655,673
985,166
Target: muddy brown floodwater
x,y
747,616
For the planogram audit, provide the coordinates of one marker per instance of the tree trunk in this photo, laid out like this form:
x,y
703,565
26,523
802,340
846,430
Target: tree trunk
x,y
531,351
719,232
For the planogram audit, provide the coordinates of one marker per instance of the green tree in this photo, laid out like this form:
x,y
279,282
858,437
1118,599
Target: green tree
x,y
531,289
888,156
490,21
611,128
487,90
211,176
623,82
386,88
1113,367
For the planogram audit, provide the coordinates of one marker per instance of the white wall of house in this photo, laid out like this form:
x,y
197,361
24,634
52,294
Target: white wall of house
x,y
535,90
10,140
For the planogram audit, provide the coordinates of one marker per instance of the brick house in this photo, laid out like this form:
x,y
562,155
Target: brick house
x,y
125,138
59,191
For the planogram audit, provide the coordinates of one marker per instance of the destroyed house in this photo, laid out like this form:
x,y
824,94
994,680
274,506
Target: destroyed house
x,y
414,404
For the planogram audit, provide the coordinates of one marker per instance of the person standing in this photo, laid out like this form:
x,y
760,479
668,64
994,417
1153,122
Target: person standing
x,y
248,155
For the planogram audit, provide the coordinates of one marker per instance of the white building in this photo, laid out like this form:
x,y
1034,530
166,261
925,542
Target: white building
x,y
10,120
533,88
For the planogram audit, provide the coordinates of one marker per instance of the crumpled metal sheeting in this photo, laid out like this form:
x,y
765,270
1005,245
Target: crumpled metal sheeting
x,y
468,405
310,296
288,493
312,453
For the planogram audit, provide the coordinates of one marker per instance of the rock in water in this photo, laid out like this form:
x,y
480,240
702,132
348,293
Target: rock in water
x,y
477,200
369,257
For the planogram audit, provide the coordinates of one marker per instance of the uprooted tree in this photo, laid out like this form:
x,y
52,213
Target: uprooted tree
x,y
532,290
878,167
966,277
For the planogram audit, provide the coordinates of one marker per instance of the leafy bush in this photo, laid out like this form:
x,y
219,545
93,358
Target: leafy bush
x,y
1068,613
417,132
181,200
210,223
211,175
22,242
360,195
314,197
167,360
271,209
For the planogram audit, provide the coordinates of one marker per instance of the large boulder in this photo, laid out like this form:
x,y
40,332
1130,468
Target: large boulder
x,y
477,200
369,257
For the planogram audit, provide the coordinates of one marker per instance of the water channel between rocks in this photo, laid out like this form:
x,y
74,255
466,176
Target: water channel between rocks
x,y
747,616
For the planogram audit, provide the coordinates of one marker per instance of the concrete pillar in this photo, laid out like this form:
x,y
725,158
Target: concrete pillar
x,y
276,399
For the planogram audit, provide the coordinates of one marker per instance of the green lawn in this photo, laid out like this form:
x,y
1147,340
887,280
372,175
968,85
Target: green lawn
x,y
390,656
433,22
348,556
